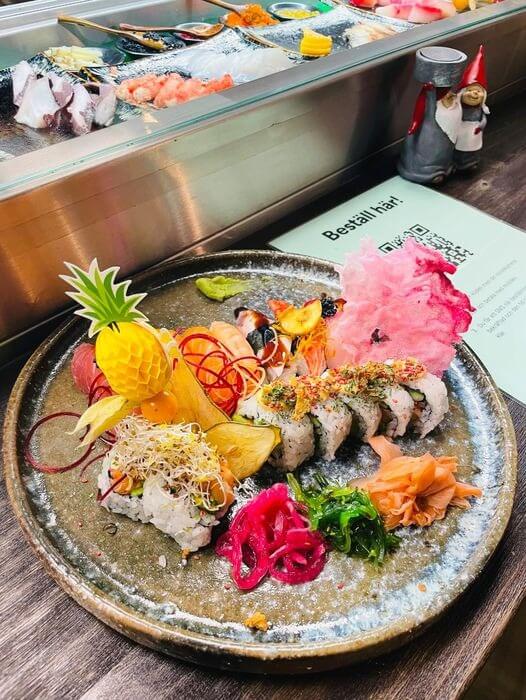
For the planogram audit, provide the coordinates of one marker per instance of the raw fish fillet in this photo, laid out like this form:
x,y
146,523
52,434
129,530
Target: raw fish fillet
x,y
84,370
81,110
369,4
61,89
243,66
420,12
105,105
38,107
22,75
363,33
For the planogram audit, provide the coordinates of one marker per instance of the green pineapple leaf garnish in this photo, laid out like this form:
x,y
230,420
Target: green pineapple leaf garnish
x,y
103,301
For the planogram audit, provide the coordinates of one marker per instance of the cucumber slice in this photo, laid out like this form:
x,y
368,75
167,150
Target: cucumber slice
x,y
416,395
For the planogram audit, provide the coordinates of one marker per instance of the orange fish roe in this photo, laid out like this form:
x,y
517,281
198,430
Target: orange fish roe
x,y
250,16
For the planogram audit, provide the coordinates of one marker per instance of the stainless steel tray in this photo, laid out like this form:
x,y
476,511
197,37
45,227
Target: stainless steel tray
x,y
202,175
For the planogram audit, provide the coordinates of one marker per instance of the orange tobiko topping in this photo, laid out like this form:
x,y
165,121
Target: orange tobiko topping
x,y
250,16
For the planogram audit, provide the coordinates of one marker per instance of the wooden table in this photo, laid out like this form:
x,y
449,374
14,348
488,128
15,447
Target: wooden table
x,y
52,648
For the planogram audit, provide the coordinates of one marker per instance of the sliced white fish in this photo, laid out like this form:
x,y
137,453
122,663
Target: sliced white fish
x,y
38,107
105,105
21,75
364,32
62,90
243,66
81,111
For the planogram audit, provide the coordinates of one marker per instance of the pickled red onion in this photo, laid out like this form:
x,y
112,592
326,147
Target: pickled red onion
x,y
270,535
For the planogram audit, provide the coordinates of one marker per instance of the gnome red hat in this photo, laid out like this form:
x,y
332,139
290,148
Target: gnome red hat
x,y
475,72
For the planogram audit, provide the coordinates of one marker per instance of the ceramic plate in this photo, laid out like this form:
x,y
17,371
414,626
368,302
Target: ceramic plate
x,y
110,565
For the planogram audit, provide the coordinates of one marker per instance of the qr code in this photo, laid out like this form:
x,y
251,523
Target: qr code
x,y
455,254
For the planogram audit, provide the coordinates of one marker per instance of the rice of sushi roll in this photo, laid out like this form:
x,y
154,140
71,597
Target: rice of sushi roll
x,y
429,394
297,436
366,412
123,504
397,410
177,516
166,475
332,425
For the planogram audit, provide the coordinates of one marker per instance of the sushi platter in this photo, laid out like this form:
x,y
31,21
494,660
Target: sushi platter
x,y
248,461
165,173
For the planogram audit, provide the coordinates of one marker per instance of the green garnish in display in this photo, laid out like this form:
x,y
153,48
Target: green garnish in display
x,y
220,288
322,7
137,491
346,517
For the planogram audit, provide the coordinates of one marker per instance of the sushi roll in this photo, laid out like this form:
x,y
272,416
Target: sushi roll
x,y
297,436
177,516
154,504
332,424
397,408
169,476
366,412
431,404
122,503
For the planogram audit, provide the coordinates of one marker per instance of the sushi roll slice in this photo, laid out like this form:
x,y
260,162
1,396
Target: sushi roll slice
x,y
169,476
397,408
366,412
431,404
124,504
177,516
332,424
297,436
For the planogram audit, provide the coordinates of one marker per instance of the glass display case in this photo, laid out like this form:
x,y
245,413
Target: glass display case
x,y
199,175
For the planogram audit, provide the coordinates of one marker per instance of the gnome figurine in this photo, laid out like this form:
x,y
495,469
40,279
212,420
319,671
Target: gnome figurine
x,y
472,92
427,152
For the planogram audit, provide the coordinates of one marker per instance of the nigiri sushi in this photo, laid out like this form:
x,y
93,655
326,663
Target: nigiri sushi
x,y
270,346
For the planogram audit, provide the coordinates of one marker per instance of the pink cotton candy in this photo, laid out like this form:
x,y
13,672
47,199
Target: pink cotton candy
x,y
401,304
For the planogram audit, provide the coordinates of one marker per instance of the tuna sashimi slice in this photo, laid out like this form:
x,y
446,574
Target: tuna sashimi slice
x,y
419,12
84,369
369,4
422,14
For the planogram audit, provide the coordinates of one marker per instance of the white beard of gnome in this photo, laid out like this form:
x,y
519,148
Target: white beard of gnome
x,y
473,92
449,117
470,132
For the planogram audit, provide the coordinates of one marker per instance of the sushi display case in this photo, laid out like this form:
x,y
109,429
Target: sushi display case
x,y
144,183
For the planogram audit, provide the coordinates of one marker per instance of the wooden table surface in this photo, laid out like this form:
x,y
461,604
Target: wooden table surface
x,y
52,648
